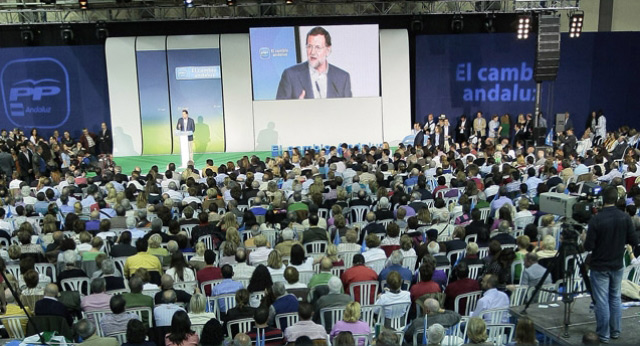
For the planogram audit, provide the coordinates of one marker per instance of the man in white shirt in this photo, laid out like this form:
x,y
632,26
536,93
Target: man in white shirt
x,y
241,270
491,299
163,313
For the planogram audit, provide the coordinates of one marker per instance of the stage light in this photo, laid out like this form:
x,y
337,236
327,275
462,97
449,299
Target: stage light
x,y
289,2
48,2
26,35
84,4
101,31
524,25
66,34
575,25
231,3
188,3
488,23
457,23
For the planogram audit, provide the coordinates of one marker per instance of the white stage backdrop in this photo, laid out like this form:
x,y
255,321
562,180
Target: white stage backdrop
x,y
257,125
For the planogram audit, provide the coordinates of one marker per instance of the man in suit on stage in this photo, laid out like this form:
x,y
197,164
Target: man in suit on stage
x,y
315,78
463,129
437,138
187,124
24,161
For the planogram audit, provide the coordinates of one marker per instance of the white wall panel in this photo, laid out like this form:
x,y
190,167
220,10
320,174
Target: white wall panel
x,y
236,92
120,53
396,92
308,122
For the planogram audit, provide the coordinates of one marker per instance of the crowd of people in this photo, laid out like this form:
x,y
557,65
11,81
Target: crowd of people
x,y
402,232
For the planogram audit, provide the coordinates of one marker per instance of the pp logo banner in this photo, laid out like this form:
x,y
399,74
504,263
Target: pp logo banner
x,y
35,92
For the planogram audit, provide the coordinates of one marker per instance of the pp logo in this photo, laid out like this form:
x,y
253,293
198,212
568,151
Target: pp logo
x,y
265,53
35,91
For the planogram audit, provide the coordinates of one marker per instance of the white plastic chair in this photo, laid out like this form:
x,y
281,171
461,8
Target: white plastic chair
x,y
119,262
358,213
304,276
187,286
347,257
484,213
377,265
496,316
289,319
385,222
13,325
371,314
474,270
396,315
95,317
329,316
367,291
483,252
470,301
188,229
410,262
500,334
210,283
214,304
518,296
316,248
141,312
271,235
207,240
76,284
454,255
241,326
323,213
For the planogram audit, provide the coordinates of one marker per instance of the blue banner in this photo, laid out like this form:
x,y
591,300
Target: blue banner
x,y
493,73
53,88
272,51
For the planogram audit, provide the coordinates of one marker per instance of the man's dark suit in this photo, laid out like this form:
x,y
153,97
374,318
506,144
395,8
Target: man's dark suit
x,y
51,307
314,234
296,78
6,164
437,142
24,161
466,131
191,126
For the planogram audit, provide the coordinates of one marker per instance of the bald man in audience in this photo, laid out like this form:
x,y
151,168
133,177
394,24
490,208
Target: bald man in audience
x,y
166,284
163,313
435,314
50,306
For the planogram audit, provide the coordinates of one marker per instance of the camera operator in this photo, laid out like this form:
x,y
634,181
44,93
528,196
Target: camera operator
x,y
608,232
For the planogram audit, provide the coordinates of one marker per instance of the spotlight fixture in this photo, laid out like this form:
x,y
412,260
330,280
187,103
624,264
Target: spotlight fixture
x,y
188,3
231,3
289,2
48,2
488,23
575,25
524,25
66,34
101,31
457,24
84,4
26,35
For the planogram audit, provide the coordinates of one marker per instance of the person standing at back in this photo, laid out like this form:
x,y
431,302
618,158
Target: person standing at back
x,y
608,232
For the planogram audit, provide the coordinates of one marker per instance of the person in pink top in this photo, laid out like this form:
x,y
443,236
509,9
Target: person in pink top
x,y
181,333
351,323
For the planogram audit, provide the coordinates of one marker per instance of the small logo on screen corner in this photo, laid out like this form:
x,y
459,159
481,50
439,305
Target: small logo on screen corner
x,y
41,98
265,53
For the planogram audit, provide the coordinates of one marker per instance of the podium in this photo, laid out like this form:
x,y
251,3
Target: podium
x,y
184,146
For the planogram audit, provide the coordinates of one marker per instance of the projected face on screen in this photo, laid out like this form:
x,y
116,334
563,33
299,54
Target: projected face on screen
x,y
315,62
318,50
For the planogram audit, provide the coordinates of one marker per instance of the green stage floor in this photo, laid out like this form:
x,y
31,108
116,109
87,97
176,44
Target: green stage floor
x,y
128,163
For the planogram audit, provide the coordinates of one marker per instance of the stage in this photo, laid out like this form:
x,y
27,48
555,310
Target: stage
x,y
128,163
550,321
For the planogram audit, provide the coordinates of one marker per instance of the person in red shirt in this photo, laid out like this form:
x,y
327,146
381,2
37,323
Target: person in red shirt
x,y
357,273
425,285
461,286
209,272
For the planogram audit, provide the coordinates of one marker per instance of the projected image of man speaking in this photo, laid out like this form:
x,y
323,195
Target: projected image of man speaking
x,y
315,78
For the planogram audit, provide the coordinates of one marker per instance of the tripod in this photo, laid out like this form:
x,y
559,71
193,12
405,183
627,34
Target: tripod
x,y
567,248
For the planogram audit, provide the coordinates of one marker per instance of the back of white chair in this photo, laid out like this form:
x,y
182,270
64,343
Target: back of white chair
x,y
329,316
271,235
285,320
13,325
121,337
207,240
469,300
187,286
304,276
358,213
514,266
119,263
484,213
377,265
385,222
410,262
371,314
471,238
454,255
474,271
323,213
337,271
347,257
187,229
14,269
397,315
518,295
76,284
366,290
143,312
211,284
151,293
523,221
483,252
95,317
362,339
316,248
47,269
496,316
500,334
243,326
221,304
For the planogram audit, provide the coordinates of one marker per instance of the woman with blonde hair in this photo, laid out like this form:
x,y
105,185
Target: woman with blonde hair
x,y
155,242
232,236
197,261
228,221
141,200
477,332
547,247
351,323
274,263
197,306
111,194
228,254
332,254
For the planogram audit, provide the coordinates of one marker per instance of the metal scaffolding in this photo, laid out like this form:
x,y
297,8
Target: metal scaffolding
x,y
68,11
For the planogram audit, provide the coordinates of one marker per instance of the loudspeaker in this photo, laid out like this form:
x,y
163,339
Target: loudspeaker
x,y
547,59
560,122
